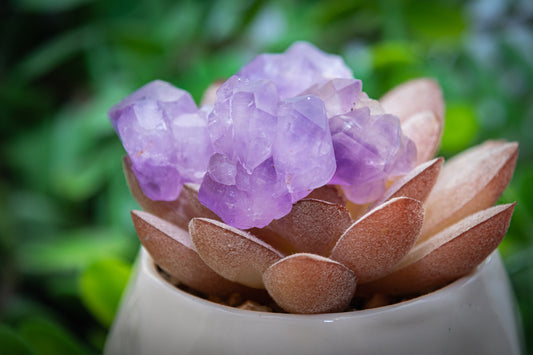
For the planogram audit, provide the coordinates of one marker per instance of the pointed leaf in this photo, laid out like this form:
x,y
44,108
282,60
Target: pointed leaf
x,y
313,226
449,255
329,193
417,184
308,283
412,97
425,130
469,182
173,251
231,252
179,211
373,245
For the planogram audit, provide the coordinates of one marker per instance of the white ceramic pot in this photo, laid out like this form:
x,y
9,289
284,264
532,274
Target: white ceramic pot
x,y
474,315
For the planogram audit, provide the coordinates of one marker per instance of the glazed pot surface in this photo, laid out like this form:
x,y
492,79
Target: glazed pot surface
x,y
473,315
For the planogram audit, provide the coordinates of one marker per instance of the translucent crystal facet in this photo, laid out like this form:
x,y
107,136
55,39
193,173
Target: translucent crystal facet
x,y
165,136
269,154
303,149
284,125
298,68
368,150
243,122
339,95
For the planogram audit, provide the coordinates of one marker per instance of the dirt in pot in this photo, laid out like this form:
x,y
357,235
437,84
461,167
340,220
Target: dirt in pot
x,y
236,300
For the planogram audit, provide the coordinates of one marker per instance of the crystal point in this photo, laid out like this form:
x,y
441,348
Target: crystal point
x,y
299,67
369,149
165,136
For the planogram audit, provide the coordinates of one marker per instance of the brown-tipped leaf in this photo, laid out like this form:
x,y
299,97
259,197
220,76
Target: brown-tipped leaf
x,y
231,252
416,184
374,245
412,97
425,129
471,181
308,283
449,255
329,193
172,250
179,211
313,226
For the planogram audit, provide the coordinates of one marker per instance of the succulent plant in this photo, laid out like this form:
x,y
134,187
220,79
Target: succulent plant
x,y
293,181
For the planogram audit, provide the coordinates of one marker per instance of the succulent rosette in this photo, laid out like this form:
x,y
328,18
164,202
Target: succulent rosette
x,y
292,180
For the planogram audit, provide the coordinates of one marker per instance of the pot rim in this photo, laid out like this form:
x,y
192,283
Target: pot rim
x,y
148,266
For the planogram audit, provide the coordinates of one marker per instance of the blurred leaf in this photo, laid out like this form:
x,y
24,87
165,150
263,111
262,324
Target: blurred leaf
x,y
80,159
25,307
101,287
49,5
435,20
327,12
47,337
526,192
53,53
29,155
13,344
219,66
393,53
34,207
114,207
460,127
73,251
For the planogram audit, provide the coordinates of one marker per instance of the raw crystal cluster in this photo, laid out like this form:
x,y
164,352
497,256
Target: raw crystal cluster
x,y
165,136
283,126
272,151
301,66
269,153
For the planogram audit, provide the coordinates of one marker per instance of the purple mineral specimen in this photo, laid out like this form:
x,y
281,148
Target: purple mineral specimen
x,y
301,66
165,136
284,125
303,150
269,154
369,149
339,95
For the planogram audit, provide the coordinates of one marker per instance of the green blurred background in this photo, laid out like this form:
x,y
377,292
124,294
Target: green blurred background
x,y
67,243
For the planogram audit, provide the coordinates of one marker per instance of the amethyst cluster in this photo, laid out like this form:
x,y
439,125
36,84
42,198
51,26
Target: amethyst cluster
x,y
284,125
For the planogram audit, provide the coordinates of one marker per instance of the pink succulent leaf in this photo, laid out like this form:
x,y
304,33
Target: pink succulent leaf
x,y
416,184
469,182
210,94
308,283
179,211
448,255
329,193
374,245
374,106
172,250
313,226
231,252
412,97
425,129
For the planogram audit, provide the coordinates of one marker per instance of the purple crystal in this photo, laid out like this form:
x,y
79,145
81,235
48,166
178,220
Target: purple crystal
x,y
244,199
301,66
269,154
165,136
369,150
303,149
243,120
339,95
284,125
